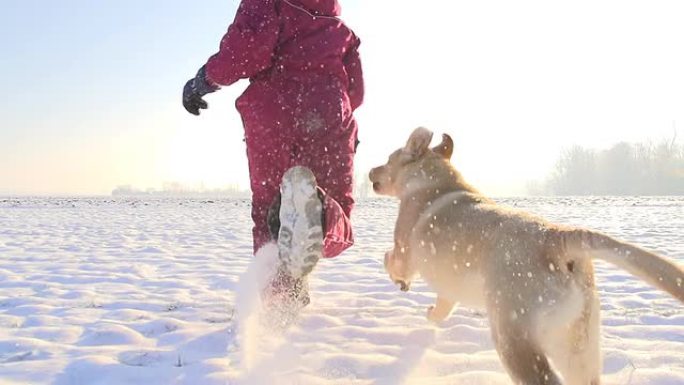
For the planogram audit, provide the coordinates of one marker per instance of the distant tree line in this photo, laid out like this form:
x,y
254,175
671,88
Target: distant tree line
x,y
623,169
180,189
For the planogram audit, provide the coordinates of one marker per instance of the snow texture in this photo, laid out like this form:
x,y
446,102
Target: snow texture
x,y
129,291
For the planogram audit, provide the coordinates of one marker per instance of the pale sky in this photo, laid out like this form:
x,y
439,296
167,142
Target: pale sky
x,y
91,90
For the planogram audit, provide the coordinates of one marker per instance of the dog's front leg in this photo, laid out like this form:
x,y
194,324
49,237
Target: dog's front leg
x,y
398,269
441,310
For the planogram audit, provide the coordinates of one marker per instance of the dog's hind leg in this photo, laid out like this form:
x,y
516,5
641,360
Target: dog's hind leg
x,y
577,352
525,362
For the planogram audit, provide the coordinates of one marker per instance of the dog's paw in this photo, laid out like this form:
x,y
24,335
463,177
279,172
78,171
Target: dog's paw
x,y
434,316
403,285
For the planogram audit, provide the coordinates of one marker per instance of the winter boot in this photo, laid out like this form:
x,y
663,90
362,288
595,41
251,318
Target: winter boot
x,y
287,291
273,215
300,238
295,221
273,218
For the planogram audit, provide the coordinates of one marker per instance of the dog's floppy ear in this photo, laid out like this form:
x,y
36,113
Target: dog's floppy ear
x,y
446,148
419,142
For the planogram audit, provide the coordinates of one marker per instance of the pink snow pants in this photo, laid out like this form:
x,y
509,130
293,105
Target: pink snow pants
x,y
307,122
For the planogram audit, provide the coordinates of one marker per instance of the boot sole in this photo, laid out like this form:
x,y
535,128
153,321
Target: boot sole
x,y
300,238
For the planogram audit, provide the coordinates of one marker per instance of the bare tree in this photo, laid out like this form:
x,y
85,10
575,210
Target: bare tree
x,y
624,169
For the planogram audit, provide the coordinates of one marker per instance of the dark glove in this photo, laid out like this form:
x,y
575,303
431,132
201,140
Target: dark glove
x,y
194,90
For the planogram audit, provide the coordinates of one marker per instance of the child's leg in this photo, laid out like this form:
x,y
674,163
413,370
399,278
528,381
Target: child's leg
x,y
331,158
269,156
338,234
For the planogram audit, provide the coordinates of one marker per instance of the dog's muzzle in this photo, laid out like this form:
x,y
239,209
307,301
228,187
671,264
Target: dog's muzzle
x,y
374,179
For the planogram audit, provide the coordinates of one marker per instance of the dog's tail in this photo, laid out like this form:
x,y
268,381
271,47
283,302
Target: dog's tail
x,y
656,270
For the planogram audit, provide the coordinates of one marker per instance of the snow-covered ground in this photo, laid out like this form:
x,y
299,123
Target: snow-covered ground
x,y
103,291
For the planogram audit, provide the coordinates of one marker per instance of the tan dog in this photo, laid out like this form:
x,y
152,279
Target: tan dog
x,y
534,278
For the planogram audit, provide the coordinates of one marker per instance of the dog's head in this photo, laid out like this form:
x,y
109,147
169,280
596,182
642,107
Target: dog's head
x,y
390,178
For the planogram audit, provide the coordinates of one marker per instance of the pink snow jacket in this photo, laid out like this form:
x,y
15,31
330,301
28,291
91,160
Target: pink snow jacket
x,y
275,40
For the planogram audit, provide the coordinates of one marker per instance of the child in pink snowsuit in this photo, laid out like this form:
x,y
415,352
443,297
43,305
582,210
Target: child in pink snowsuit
x,y
305,82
